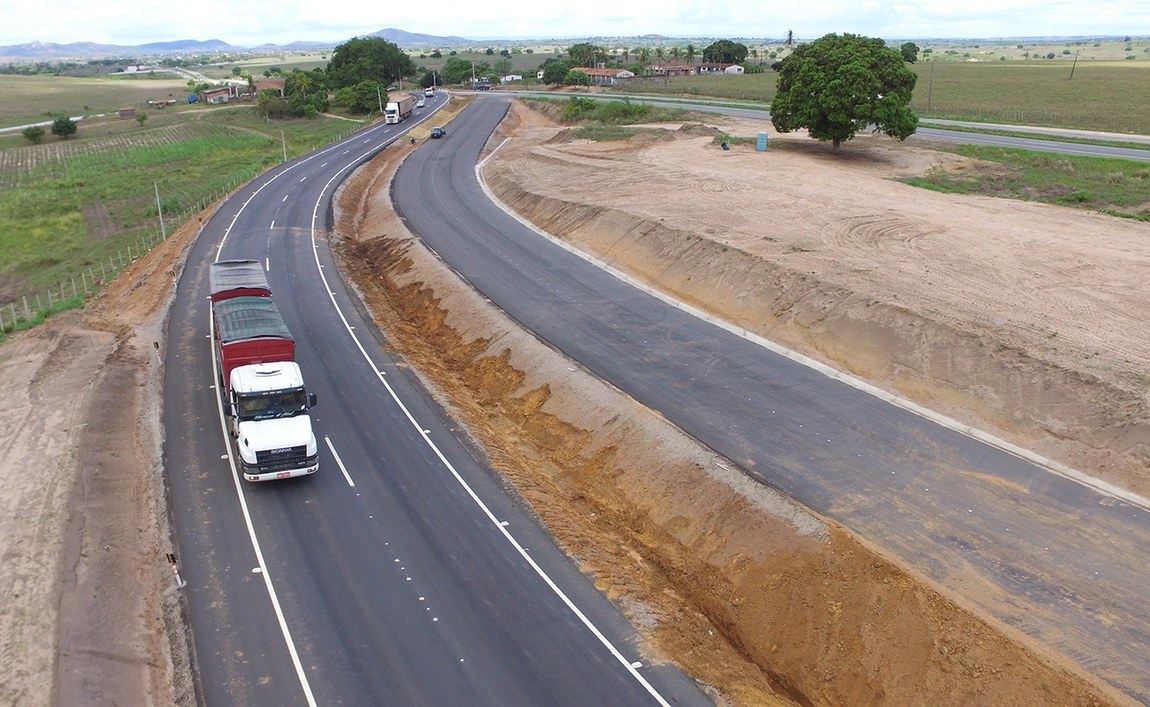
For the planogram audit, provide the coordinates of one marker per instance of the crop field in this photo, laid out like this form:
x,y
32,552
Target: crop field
x,y
1107,96
1112,96
72,210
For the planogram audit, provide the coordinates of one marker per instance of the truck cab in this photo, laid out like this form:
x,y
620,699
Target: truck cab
x,y
268,413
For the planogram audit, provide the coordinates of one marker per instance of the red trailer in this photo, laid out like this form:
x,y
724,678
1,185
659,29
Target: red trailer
x,y
250,330
237,278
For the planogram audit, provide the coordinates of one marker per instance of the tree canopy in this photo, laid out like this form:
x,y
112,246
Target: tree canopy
x,y
725,51
555,71
367,59
840,84
63,127
586,54
909,52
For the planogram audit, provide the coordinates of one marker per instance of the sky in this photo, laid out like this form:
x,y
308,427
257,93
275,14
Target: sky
x,y
253,23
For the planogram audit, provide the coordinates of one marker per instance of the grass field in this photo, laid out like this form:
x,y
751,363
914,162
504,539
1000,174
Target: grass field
x,y
70,207
1108,96
1117,187
32,99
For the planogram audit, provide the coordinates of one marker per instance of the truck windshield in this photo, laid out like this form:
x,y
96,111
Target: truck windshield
x,y
283,403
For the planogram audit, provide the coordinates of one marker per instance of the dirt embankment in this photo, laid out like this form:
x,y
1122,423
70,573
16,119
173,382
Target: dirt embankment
x,y
89,611
754,596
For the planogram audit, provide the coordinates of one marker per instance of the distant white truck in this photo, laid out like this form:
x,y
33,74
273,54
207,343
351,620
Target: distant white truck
x,y
429,92
399,110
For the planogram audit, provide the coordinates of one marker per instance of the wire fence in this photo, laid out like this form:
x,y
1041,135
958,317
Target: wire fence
x,y
33,307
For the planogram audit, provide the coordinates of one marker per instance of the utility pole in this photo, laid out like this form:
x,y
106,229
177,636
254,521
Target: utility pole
x,y
160,211
1074,64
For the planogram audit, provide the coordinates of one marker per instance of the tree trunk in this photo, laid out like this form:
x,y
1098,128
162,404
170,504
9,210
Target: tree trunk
x,y
835,144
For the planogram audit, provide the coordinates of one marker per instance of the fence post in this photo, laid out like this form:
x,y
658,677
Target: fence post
x,y
12,306
93,276
49,299
27,314
74,295
121,254
39,307
84,281
63,293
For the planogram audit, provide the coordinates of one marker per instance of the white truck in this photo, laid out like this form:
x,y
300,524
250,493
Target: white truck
x,y
263,390
398,110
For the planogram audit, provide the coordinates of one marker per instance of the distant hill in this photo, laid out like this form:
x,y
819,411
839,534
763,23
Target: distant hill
x,y
82,51
412,40
39,51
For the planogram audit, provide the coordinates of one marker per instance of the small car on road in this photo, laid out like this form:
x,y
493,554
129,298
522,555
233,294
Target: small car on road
x,y
438,132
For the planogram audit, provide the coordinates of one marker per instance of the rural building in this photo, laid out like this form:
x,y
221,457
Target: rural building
x,y
126,113
222,94
674,69
276,85
510,77
605,77
713,69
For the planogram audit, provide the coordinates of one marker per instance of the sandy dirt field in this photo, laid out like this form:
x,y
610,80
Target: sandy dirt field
x,y
939,298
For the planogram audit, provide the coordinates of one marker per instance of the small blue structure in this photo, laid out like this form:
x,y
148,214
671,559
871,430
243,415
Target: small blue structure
x,y
761,142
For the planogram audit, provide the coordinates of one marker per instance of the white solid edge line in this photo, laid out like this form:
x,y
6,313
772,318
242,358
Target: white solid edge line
x,y
1098,485
463,483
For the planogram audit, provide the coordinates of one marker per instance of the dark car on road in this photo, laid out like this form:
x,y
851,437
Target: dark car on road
x,y
438,132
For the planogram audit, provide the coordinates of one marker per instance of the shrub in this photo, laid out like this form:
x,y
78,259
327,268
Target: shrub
x,y
34,134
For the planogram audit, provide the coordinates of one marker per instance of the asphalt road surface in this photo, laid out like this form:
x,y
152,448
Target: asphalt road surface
x,y
402,572
1059,560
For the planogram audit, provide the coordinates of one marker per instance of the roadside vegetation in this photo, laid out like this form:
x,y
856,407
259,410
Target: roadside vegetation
x,y
1113,186
73,211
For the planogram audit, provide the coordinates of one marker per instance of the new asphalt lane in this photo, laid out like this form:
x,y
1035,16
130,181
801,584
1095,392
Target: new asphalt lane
x,y
402,572
1058,560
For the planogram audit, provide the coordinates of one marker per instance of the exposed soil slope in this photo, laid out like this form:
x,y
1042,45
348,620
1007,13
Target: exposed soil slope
x,y
758,598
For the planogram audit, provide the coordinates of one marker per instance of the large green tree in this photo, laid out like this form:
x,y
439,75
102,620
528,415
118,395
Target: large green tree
x,y
725,51
555,71
456,70
367,59
840,84
364,97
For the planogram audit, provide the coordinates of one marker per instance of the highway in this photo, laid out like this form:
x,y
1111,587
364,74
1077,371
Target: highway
x,y
1061,561
404,572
